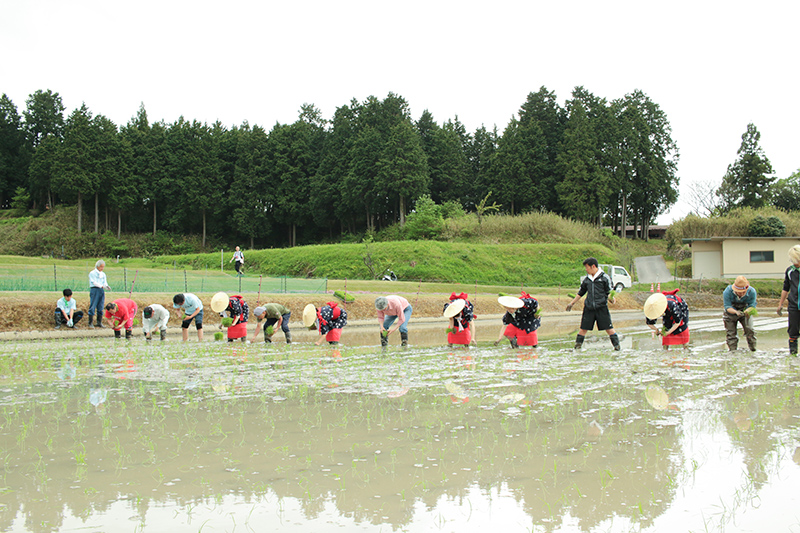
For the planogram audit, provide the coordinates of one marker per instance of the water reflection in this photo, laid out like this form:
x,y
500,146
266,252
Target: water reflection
x,y
212,436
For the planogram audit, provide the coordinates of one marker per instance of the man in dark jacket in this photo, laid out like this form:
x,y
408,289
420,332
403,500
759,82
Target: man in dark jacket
x,y
596,286
791,280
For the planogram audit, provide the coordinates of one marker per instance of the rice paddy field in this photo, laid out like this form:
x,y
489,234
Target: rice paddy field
x,y
104,435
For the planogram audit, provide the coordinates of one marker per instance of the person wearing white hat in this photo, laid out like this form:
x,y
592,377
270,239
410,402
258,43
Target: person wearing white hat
x,y
192,309
675,313
275,316
737,298
461,327
597,287
329,319
520,321
239,311
791,285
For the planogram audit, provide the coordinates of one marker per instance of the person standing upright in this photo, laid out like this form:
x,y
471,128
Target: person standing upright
x,y
597,287
98,285
238,256
791,281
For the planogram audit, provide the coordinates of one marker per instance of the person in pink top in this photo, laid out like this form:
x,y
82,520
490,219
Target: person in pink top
x,y
120,313
389,309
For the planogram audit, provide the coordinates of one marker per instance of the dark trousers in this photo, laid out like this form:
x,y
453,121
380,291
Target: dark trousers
x,y
76,316
284,324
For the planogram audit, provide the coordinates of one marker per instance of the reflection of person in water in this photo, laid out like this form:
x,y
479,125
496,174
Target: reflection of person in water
x,y
97,397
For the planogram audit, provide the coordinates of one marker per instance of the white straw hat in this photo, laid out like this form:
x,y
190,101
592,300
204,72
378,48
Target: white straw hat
x,y
309,315
455,307
511,301
219,302
655,306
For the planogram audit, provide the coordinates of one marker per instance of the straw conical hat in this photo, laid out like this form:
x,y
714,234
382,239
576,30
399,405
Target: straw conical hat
x,y
511,301
219,302
309,315
655,306
455,307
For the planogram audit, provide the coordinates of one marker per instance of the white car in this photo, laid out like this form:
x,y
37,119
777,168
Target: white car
x,y
620,279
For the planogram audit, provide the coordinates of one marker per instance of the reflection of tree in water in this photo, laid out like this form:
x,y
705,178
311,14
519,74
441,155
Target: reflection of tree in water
x,y
374,458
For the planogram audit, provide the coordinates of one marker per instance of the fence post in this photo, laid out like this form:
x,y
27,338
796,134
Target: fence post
x,y
55,279
221,261
185,282
124,277
240,284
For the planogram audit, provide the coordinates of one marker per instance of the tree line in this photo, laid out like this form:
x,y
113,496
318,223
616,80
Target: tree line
x,y
317,179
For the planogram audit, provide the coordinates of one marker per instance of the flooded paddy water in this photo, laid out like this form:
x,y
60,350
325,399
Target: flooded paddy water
x,y
104,435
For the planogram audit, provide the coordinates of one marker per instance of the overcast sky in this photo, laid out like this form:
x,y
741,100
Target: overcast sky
x,y
713,67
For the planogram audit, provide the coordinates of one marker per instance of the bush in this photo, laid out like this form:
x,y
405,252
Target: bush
x,y
452,209
426,220
766,227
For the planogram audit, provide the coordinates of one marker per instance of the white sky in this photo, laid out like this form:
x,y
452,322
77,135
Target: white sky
x,y
713,67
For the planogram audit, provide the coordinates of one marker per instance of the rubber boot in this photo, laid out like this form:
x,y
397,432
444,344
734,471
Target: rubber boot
x,y
117,334
752,346
91,324
733,346
793,347
615,342
384,341
163,334
267,339
403,339
58,322
100,321
288,336
128,333
579,341
333,343
514,343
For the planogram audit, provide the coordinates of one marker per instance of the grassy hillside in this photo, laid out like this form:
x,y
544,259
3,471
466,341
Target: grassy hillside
x,y
505,264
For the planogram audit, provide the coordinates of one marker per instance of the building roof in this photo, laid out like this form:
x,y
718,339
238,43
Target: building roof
x,y
740,237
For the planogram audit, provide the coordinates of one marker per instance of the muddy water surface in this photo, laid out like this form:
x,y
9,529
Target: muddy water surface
x,y
98,435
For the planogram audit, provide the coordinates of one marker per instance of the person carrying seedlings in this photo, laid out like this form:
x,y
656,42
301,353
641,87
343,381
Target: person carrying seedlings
x,y
597,287
275,316
120,313
330,319
461,326
238,256
791,281
675,317
389,309
154,317
192,309
66,310
239,312
520,321
98,285
739,304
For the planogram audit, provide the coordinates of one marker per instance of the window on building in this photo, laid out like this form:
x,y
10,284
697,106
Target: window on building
x,y
762,257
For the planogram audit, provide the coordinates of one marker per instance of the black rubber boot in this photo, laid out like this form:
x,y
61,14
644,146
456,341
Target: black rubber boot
x,y
128,333
403,339
514,343
58,322
117,334
333,343
288,336
579,341
384,341
793,347
100,321
91,324
163,334
615,342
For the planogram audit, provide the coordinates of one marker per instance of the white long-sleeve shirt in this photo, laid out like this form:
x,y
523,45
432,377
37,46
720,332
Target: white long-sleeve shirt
x,y
159,318
97,279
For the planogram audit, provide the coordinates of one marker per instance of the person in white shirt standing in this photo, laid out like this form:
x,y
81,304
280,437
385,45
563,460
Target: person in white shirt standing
x,y
238,256
154,317
98,284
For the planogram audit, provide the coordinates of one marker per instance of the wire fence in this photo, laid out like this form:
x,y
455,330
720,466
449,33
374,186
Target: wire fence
x,y
170,280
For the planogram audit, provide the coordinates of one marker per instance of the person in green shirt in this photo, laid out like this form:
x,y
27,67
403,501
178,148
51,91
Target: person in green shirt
x,y
275,316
